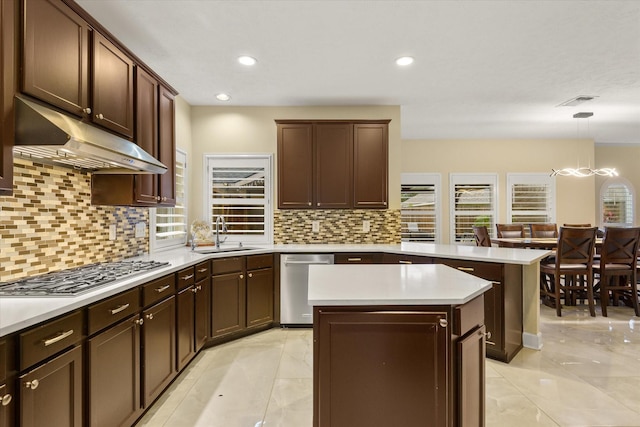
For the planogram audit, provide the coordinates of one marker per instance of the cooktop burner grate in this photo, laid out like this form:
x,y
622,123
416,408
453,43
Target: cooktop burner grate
x,y
78,280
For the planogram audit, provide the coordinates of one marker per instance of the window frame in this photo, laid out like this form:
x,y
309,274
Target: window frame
x,y
471,179
434,179
632,193
540,178
267,236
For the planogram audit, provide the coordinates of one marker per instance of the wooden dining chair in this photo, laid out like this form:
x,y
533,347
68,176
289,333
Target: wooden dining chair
x,y
571,272
481,235
510,230
616,269
577,225
543,230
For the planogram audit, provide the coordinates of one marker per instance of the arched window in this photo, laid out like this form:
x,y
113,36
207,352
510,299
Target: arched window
x,y
617,202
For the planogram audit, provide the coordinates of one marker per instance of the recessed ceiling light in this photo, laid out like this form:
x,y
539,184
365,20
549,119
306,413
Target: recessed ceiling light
x,y
404,61
223,97
247,60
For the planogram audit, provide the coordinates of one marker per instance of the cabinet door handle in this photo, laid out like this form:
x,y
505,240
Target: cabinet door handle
x,y
242,276
468,269
384,203
139,322
309,204
57,338
318,204
404,262
162,288
187,277
32,384
99,116
194,289
354,259
487,337
118,309
444,323
202,270
250,274
86,110
6,399
149,316
164,199
157,198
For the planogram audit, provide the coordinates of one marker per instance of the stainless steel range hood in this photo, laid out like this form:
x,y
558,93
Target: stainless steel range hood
x,y
45,135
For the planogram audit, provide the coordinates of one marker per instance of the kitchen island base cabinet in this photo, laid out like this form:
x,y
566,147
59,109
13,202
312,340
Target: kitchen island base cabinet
x,y
399,365
51,395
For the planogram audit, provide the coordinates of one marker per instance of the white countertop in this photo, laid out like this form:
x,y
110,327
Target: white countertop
x,y
416,284
17,313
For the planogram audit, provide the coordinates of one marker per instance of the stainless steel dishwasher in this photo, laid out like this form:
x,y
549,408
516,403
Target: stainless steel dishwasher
x,y
294,278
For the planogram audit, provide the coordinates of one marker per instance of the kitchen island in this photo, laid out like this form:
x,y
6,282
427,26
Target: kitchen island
x,y
397,345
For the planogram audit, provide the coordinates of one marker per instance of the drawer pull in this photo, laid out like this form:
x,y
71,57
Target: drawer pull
x,y
57,338
6,399
404,262
469,269
354,259
119,309
162,289
444,323
187,277
32,384
202,270
487,337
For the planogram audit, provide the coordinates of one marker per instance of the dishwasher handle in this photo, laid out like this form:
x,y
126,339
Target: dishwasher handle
x,y
308,262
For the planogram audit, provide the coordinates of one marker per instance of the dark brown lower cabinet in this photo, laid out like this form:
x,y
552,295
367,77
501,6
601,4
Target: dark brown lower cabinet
x,y
158,349
186,326
114,375
203,312
259,297
51,395
228,305
471,387
7,405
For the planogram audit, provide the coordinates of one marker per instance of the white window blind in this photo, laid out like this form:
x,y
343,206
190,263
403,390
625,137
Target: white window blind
x,y
530,198
473,202
239,190
617,204
420,207
169,225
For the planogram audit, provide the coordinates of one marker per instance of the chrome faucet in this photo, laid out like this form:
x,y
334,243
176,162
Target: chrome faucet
x,y
220,221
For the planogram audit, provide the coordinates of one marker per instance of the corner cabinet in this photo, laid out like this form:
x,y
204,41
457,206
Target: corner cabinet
x,y
8,86
332,164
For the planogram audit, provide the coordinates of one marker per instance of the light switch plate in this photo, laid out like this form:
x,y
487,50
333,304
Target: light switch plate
x,y
112,231
141,229
366,226
315,226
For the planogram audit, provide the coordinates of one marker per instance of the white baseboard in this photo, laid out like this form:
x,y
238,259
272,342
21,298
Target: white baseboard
x,y
533,341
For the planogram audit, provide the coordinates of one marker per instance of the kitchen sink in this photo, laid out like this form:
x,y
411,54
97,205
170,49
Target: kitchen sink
x,y
214,250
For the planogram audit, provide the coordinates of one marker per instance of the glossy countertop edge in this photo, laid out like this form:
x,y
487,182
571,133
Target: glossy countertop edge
x,y
392,285
17,313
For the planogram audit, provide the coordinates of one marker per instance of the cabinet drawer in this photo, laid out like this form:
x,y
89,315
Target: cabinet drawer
x,y
358,258
227,265
405,259
203,270
158,289
43,341
469,316
484,270
186,277
111,310
255,262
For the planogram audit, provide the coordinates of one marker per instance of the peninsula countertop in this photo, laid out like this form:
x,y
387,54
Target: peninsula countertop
x,y
391,284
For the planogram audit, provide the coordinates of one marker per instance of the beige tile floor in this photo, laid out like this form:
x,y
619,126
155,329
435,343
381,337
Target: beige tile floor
x,y
587,374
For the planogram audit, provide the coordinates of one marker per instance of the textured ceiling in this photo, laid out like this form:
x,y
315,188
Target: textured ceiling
x,y
483,69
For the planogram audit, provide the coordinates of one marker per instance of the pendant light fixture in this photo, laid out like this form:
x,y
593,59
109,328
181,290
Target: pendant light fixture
x,y
583,171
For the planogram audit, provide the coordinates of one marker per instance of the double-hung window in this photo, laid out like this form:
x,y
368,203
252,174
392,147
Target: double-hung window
x,y
169,225
473,202
238,189
420,207
531,198
617,203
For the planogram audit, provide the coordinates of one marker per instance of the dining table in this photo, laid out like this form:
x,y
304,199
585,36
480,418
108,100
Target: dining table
x,y
532,242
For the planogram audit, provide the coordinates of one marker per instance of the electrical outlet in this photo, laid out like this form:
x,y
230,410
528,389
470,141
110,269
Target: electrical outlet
x,y
315,226
112,232
366,226
141,229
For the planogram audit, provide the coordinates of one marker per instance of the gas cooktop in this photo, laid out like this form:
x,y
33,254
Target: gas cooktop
x,y
78,280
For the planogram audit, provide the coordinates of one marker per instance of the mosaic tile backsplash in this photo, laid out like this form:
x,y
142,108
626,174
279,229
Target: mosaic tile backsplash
x,y
49,223
294,226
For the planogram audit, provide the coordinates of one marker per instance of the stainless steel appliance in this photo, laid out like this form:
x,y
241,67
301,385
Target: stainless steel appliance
x,y
294,277
78,280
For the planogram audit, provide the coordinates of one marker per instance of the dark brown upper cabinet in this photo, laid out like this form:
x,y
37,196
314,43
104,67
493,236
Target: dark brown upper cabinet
x,y
146,190
56,56
8,86
332,164
167,147
112,87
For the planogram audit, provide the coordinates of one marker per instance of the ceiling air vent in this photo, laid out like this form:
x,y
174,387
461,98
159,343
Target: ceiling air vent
x,y
577,101
583,115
